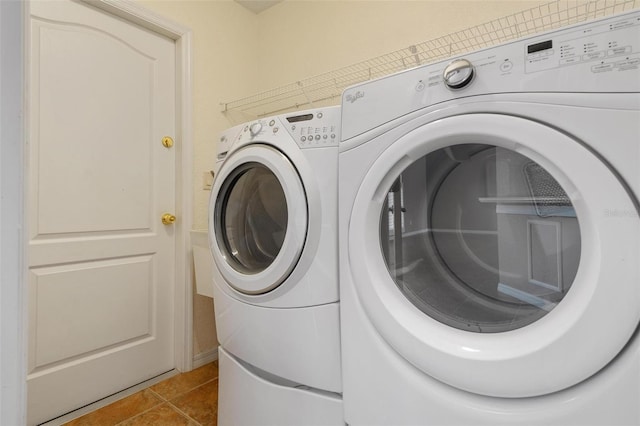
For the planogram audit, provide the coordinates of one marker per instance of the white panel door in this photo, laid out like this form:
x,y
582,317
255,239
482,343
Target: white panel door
x,y
101,263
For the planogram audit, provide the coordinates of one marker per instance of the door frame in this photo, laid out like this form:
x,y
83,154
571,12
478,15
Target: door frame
x,y
13,300
14,125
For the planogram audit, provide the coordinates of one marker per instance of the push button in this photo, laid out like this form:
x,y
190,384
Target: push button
x,y
506,66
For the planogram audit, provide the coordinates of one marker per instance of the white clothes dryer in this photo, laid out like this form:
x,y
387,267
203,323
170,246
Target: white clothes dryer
x,y
490,237
273,236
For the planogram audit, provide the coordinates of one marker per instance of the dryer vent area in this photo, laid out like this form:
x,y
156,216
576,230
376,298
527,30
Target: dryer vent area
x,y
480,237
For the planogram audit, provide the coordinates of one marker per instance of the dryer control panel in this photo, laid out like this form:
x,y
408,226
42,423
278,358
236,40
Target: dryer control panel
x,y
596,57
607,47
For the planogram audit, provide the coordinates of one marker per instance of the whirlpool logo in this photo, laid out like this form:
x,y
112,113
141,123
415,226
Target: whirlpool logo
x,y
351,98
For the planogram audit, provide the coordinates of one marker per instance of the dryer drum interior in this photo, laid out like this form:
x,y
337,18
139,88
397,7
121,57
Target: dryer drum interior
x,y
480,238
251,216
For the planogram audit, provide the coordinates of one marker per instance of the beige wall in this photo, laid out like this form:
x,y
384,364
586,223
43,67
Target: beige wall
x,y
299,39
237,53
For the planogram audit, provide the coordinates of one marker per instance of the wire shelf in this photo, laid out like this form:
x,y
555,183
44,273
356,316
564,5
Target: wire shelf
x,y
326,89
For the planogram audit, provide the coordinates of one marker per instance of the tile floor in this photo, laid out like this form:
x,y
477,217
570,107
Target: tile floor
x,y
186,399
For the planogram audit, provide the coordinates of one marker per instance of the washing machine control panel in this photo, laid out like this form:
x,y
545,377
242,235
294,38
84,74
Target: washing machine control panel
x,y
316,128
596,57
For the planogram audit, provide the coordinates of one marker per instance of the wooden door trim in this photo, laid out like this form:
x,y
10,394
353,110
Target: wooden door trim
x,y
13,138
183,304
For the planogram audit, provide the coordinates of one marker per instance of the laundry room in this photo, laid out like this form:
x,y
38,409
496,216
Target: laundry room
x,y
309,174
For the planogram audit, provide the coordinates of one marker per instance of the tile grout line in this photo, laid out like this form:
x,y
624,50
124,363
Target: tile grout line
x,y
164,400
183,414
183,394
158,395
173,407
170,404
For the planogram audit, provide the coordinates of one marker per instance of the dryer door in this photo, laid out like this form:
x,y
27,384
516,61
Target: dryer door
x,y
257,219
484,251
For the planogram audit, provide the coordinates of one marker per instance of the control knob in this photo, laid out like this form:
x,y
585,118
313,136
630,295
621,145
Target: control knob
x,y
255,128
458,74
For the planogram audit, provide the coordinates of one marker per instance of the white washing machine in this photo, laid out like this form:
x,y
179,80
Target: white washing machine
x,y
273,236
490,238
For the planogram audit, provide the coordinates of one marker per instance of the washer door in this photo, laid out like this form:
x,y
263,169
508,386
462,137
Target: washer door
x,y
484,251
257,219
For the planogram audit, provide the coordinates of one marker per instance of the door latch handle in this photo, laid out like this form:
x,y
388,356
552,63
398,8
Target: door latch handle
x,y
168,219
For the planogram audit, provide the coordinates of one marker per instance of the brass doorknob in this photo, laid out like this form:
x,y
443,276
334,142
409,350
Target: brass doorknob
x,y
168,219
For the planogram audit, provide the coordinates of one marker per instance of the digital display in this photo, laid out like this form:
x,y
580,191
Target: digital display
x,y
544,45
295,119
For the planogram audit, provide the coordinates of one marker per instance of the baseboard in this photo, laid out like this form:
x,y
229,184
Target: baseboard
x,y
205,358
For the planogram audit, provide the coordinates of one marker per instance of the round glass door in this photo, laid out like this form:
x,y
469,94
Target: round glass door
x,y
252,218
480,238
258,219
480,251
